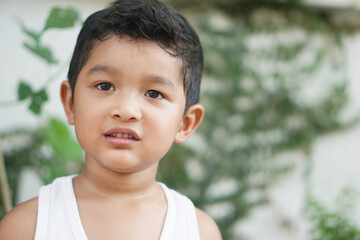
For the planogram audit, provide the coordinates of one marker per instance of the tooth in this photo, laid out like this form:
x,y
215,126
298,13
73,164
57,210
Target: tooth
x,y
122,135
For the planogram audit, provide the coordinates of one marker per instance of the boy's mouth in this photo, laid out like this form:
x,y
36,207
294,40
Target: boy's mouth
x,y
125,133
121,135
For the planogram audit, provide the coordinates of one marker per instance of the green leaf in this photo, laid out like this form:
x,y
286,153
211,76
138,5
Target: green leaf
x,y
24,91
33,35
61,141
37,101
41,96
61,18
35,107
43,52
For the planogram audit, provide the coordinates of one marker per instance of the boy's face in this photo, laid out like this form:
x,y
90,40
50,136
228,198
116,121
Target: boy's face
x,y
129,105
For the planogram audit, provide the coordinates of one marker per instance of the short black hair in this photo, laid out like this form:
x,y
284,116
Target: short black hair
x,y
143,20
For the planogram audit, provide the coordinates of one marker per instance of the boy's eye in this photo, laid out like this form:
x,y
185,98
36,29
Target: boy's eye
x,y
154,94
105,87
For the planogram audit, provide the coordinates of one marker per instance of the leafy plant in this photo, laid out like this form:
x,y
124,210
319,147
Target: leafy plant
x,y
59,18
333,224
50,150
258,64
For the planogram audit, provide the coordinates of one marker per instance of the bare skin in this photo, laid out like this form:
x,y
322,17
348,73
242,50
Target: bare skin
x,y
93,206
117,193
20,223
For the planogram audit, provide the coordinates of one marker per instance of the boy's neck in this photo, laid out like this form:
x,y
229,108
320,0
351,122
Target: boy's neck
x,y
119,185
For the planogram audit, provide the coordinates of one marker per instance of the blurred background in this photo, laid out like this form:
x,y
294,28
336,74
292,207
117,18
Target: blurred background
x,y
278,154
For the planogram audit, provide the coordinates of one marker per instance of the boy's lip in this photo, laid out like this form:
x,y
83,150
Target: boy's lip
x,y
123,131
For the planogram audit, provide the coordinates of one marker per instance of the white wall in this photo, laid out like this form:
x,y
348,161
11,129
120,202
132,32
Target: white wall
x,y
335,166
335,3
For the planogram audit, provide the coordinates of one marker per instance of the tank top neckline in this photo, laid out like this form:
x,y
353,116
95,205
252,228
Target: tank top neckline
x,y
74,215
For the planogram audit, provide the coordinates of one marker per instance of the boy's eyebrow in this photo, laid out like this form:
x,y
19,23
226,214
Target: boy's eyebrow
x,y
101,68
162,81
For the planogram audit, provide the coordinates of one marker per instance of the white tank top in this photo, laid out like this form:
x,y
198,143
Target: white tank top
x,y
59,219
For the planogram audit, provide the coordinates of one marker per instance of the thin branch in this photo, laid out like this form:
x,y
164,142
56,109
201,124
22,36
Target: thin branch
x,y
49,81
9,103
4,185
54,76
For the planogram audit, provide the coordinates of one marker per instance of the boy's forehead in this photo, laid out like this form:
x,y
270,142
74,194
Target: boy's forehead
x,y
136,46
131,49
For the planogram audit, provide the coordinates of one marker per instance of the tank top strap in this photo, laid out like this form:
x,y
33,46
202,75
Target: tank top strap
x,y
72,210
58,214
43,213
181,221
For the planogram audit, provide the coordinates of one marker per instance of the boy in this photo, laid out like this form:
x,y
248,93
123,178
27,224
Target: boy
x,y
133,90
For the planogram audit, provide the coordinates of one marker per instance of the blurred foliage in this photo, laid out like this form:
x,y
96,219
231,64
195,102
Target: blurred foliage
x,y
262,65
51,150
37,98
38,150
334,224
275,80
59,18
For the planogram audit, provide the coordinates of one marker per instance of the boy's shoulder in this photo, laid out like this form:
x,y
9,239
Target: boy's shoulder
x,y
20,222
207,227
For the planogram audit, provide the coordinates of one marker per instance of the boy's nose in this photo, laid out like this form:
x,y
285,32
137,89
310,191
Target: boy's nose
x,y
126,108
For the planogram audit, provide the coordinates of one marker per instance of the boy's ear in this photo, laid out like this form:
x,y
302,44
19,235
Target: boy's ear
x,y
67,101
191,121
